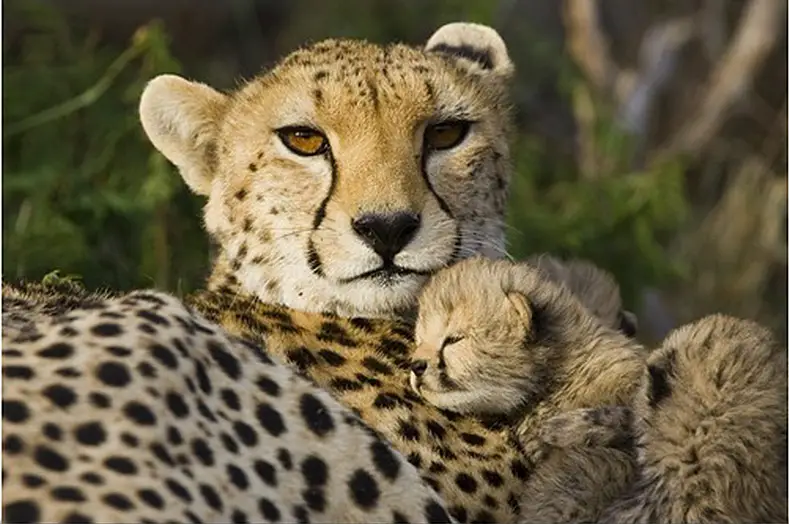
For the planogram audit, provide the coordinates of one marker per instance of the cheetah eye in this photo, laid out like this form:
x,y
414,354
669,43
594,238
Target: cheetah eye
x,y
451,340
446,135
303,141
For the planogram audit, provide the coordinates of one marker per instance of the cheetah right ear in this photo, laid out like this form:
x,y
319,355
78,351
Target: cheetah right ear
x,y
478,46
180,118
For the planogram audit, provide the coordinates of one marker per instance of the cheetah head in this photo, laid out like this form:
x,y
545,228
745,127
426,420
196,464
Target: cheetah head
x,y
345,176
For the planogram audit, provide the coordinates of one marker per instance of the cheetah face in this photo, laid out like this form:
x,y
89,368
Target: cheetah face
x,y
474,354
340,180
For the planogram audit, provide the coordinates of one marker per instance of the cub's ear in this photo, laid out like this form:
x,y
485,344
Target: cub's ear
x,y
180,118
479,47
522,307
628,323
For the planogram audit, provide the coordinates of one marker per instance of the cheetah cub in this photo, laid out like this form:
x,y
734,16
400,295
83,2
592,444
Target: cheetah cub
x,y
498,339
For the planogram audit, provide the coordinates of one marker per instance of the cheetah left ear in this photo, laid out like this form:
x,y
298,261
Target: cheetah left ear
x,y
628,323
477,46
520,304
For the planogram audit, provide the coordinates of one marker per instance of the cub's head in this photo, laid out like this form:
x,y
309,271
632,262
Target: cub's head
x,y
493,336
341,179
476,346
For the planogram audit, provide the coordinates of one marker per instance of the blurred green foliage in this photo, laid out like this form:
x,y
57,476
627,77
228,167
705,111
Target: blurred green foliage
x,y
84,191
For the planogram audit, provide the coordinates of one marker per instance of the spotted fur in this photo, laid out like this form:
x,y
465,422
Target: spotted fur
x,y
136,409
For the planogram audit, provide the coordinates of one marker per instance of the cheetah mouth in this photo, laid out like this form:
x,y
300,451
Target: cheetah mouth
x,y
387,274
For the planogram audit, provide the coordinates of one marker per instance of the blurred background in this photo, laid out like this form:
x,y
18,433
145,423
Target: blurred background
x,y
652,136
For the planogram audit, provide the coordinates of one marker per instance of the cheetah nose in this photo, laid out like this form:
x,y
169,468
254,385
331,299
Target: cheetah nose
x,y
386,234
419,367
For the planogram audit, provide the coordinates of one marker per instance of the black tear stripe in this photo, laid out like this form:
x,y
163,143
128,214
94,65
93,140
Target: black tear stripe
x,y
443,206
480,56
313,259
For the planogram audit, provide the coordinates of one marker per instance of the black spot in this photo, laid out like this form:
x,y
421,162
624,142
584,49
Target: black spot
x,y
204,411
152,317
92,478
178,490
408,431
99,400
301,514
436,429
436,514
21,511
174,436
387,401
68,494
268,510
283,456
161,453
58,350
246,434
229,443
466,483
147,370
270,419
227,362
266,472
151,498
363,489
15,411
239,517
50,459
211,497
121,465
75,517
385,460
316,415
520,470
399,518
32,481
176,405
130,440
332,358
52,431
118,351
118,501
343,384
202,452
12,445
139,413
237,477
492,478
268,386
512,502
436,468
68,372
302,358
415,459
376,366
60,395
106,329
202,378
20,372
90,434
315,471
241,194
164,356
113,374
230,398
490,502
473,439
332,332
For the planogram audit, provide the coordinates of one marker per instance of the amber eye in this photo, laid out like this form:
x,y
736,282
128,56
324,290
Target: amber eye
x,y
303,140
445,135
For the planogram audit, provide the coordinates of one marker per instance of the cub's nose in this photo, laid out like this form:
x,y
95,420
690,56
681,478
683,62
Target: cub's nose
x,y
387,234
419,367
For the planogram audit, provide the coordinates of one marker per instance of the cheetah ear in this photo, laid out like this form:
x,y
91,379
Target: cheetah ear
x,y
520,304
478,46
180,118
628,323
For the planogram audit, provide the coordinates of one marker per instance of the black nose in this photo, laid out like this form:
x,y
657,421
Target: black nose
x,y
387,234
418,367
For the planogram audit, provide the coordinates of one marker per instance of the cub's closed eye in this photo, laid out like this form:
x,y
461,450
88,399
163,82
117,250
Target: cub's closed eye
x,y
451,340
303,141
446,135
